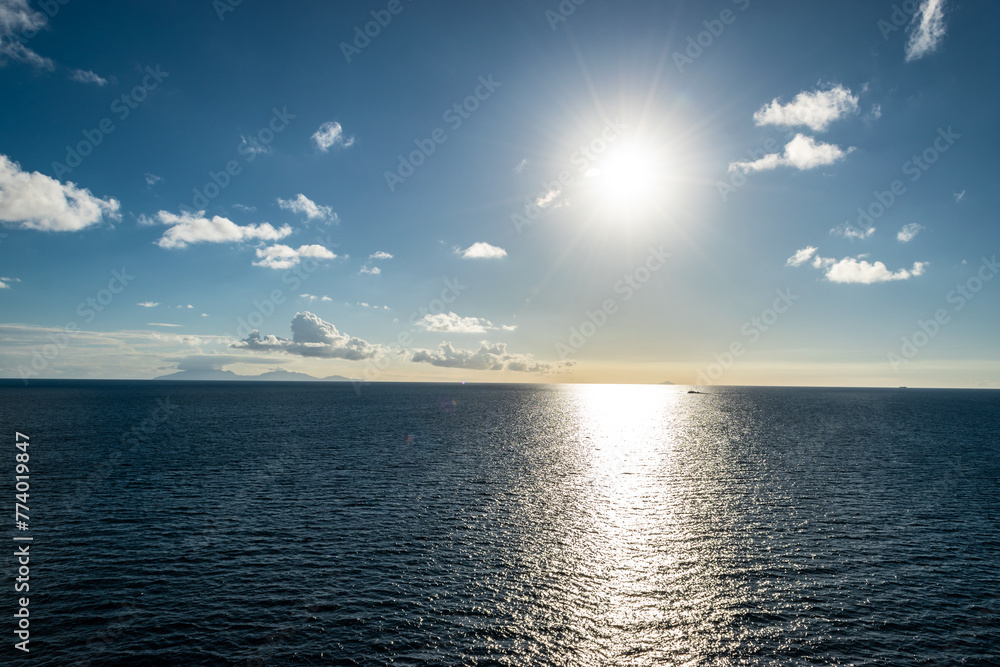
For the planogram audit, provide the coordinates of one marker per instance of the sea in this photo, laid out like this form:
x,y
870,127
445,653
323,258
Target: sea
x,y
254,524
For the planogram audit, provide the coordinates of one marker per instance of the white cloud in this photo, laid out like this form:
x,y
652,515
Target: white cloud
x,y
908,232
189,228
18,20
482,250
853,270
927,30
370,271
245,208
802,152
36,201
252,148
161,324
547,198
521,165
304,205
331,134
152,179
285,257
814,110
312,337
380,255
852,232
959,196
313,297
452,323
874,114
489,357
5,282
801,256
148,304
88,76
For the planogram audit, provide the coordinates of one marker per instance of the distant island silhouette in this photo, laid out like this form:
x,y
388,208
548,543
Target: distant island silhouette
x,y
278,375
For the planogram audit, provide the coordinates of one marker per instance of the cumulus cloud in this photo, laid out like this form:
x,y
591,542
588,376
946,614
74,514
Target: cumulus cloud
x,y
88,76
908,232
482,250
18,22
370,270
801,256
331,135
5,282
380,255
280,256
815,110
189,228
312,337
148,304
927,30
36,201
853,269
307,207
488,357
313,297
802,152
547,198
453,323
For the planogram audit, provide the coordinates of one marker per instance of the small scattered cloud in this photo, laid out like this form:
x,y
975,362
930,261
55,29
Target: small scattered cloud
x,y
5,282
305,206
285,257
481,250
244,208
959,196
874,114
161,324
152,179
312,337
313,297
802,153
520,166
148,304
927,29
853,232
801,256
547,198
252,147
815,110
488,357
32,200
452,323
18,19
190,228
331,135
380,255
370,270
88,76
908,232
853,269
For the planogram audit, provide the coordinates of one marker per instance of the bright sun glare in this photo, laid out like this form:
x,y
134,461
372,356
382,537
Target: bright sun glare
x,y
627,178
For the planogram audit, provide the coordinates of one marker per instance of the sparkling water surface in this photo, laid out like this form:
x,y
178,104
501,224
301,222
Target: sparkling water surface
x,y
445,524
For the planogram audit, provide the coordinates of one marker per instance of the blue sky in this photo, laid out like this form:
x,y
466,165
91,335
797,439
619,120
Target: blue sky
x,y
729,192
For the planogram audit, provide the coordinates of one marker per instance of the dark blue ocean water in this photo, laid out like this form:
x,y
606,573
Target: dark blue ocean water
x,y
303,524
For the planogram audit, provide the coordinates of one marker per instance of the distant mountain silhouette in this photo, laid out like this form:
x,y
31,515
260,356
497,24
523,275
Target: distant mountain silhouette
x,y
270,376
666,382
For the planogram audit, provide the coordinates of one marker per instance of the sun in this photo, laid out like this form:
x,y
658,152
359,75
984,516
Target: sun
x,y
628,179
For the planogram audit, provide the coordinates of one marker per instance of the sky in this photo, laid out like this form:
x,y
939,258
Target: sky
x,y
729,192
